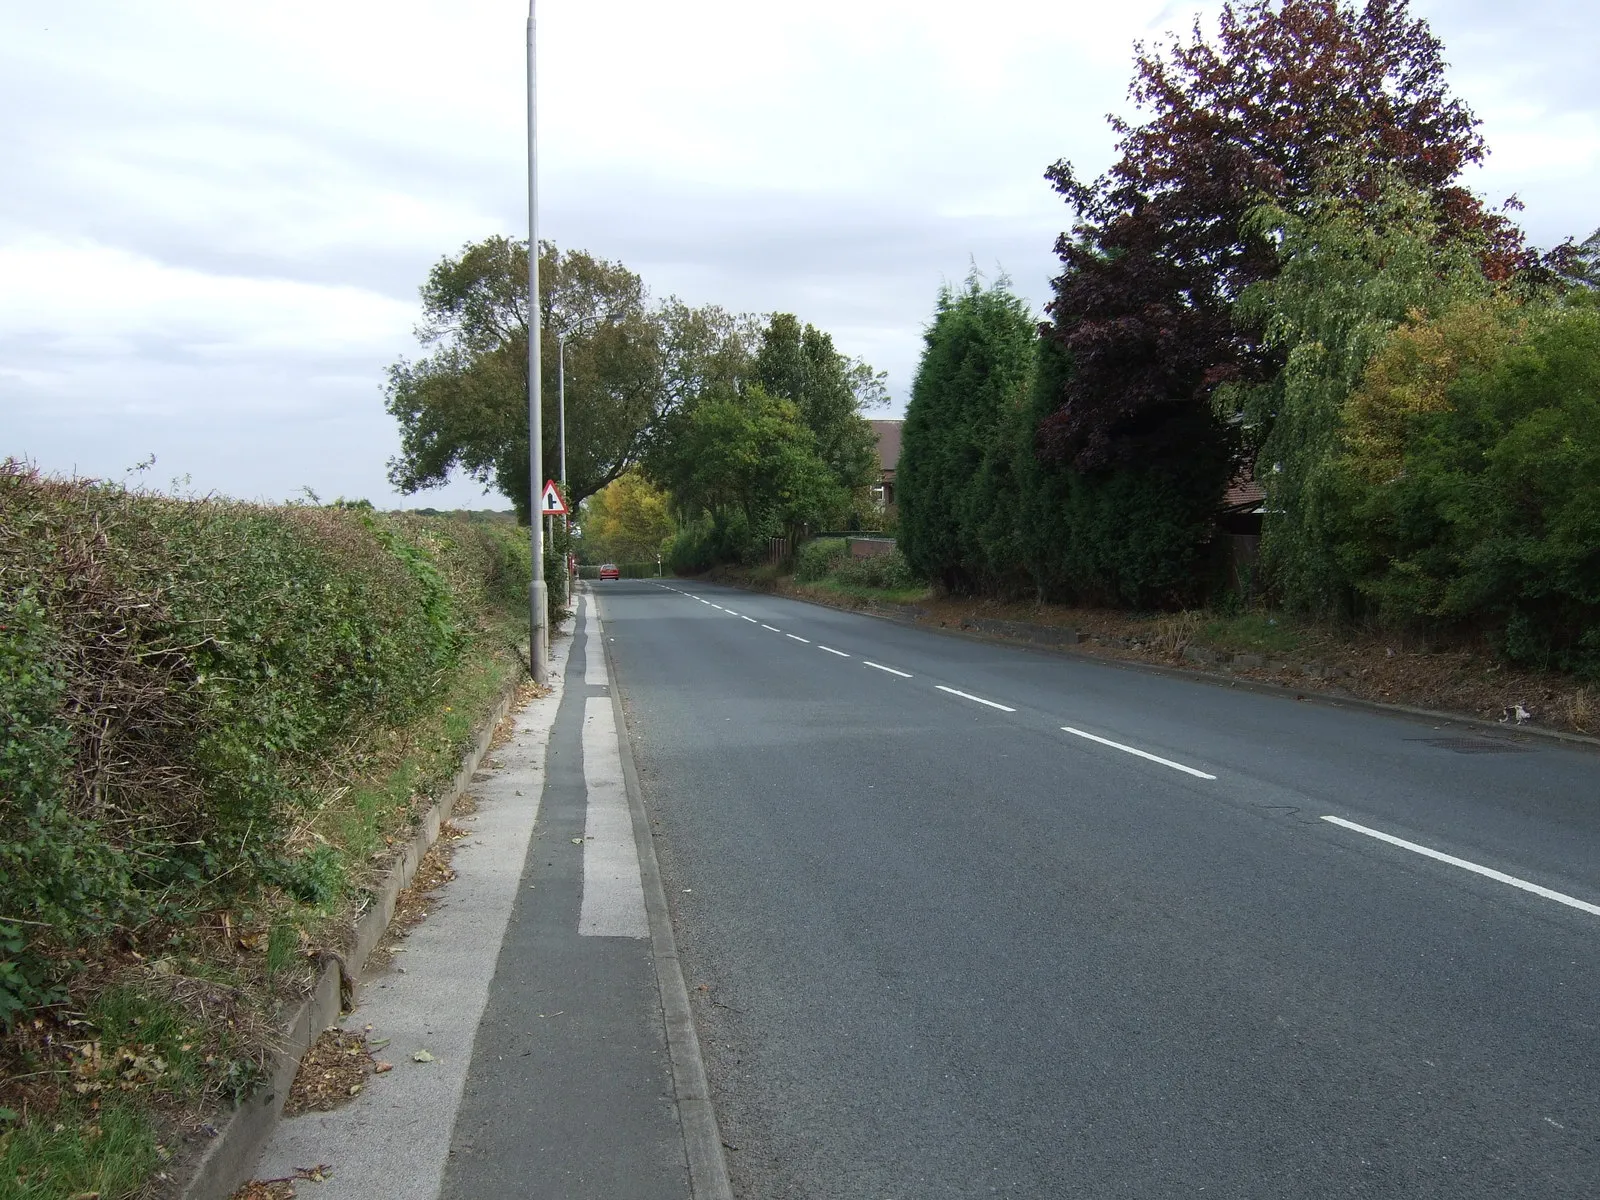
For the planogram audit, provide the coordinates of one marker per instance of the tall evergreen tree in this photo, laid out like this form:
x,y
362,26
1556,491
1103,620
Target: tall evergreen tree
x,y
1125,537
955,485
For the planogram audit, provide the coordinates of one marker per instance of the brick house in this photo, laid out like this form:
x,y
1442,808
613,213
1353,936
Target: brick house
x,y
888,435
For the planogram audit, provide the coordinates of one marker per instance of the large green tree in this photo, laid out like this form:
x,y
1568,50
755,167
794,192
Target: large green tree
x,y
1144,304
741,467
799,363
955,483
1353,268
703,350
464,405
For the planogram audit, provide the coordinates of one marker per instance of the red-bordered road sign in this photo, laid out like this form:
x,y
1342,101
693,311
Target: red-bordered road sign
x,y
552,505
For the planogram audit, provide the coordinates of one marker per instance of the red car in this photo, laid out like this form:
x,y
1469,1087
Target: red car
x,y
609,571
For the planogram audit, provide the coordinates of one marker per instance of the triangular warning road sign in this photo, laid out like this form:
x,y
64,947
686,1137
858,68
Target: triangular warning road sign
x,y
552,505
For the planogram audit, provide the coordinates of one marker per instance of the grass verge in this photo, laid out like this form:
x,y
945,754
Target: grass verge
x,y
862,592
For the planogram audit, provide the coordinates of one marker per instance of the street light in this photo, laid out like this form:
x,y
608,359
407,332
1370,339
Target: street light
x,y
561,391
538,612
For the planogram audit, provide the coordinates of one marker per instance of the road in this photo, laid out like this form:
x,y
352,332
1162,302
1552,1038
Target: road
x,y
964,919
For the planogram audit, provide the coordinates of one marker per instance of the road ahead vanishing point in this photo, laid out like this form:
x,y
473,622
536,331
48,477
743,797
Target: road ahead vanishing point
x,y
964,920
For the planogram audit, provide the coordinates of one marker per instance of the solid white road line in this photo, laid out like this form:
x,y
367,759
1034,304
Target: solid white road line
x,y
1155,758
774,628
1486,872
978,699
594,655
613,893
752,620
881,667
831,650
797,638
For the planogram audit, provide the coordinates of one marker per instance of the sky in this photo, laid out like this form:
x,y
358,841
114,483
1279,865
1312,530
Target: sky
x,y
214,217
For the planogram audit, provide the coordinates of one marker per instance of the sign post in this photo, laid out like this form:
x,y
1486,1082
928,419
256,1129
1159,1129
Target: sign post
x,y
550,503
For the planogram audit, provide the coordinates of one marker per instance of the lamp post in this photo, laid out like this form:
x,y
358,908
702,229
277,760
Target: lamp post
x,y
561,391
538,614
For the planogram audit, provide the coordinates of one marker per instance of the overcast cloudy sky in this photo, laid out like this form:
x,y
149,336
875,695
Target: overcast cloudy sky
x,y
214,216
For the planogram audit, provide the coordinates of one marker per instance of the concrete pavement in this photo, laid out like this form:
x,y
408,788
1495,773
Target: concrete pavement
x,y
553,1069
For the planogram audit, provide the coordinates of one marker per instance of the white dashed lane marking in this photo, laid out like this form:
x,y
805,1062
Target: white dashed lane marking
x,y
974,699
1379,835
1155,758
890,670
1486,872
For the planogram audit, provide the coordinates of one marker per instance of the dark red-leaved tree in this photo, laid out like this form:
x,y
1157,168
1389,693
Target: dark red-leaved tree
x,y
1288,89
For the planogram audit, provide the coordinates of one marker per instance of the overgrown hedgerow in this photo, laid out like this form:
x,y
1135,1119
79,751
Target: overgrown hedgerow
x,y
818,557
173,674
884,572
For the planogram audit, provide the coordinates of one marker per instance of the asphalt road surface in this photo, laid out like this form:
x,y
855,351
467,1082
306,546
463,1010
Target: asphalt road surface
x,y
965,920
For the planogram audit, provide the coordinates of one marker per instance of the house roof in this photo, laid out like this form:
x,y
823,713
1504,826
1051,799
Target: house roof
x,y
1244,495
888,434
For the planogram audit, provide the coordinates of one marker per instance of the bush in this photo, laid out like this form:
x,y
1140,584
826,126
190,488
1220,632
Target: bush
x,y
693,548
173,677
727,535
1494,520
818,557
886,572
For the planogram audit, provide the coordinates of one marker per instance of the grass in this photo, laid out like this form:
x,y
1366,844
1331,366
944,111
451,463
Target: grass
x,y
179,1029
106,1080
1262,632
906,595
106,1153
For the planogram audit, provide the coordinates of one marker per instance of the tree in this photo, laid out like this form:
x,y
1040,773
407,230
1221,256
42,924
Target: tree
x,y
954,482
745,467
799,364
1582,264
465,404
1144,305
703,350
1352,270
1472,478
1130,537
626,521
